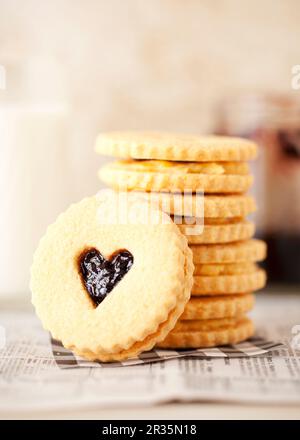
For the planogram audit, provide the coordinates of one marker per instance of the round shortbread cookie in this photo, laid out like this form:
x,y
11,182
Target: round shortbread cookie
x,y
177,147
192,205
241,251
217,269
98,286
220,177
222,233
227,284
215,307
230,333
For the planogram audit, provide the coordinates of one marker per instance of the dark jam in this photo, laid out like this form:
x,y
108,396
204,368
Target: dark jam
x,y
99,275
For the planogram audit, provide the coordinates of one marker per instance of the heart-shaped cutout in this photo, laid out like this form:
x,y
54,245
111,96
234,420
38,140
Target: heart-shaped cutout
x,y
99,275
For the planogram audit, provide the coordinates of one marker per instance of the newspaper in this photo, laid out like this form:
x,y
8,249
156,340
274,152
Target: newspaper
x,y
31,377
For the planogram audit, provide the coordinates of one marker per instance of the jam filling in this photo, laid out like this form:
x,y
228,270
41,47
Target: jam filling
x,y
99,275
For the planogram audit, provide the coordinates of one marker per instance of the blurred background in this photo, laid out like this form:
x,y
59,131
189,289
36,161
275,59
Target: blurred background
x,y
76,67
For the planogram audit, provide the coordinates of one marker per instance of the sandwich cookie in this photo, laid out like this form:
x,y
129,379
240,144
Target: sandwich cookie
x,y
241,251
212,231
156,175
209,333
198,206
215,307
228,284
175,147
106,289
229,268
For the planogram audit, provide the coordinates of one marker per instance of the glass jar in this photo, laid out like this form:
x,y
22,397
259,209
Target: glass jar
x,y
273,121
34,184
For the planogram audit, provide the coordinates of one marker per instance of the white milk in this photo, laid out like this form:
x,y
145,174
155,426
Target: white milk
x,y
34,186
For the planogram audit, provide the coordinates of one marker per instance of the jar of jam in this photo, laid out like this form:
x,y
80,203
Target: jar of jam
x,y
274,123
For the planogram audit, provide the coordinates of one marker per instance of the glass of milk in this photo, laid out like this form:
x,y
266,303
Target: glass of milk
x,y
34,167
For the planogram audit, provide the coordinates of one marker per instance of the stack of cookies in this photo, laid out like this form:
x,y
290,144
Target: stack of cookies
x,y
177,168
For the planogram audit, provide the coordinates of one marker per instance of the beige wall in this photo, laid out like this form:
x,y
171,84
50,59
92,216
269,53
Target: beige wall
x,y
153,63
